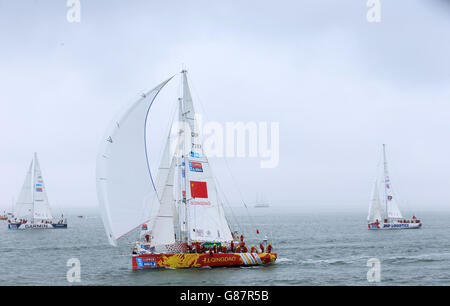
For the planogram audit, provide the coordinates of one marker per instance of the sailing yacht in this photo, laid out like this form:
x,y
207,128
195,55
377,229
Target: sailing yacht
x,y
4,216
261,203
384,212
189,228
32,209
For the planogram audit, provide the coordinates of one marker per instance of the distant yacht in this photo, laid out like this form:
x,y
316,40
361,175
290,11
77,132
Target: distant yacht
x,y
384,212
4,216
32,209
261,203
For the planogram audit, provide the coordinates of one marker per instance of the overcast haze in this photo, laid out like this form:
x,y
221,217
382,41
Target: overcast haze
x,y
338,85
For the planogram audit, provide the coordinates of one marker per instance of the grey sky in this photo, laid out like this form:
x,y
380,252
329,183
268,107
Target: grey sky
x,y
338,85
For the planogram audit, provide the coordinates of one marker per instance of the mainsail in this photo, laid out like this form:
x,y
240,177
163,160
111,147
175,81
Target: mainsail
x,y
392,210
32,202
205,216
41,206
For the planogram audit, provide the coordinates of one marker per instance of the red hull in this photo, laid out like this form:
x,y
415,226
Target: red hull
x,y
179,261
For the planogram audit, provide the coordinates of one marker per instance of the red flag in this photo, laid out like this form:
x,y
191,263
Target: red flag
x,y
257,231
199,190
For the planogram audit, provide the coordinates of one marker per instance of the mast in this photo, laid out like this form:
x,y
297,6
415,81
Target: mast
x,y
181,177
386,177
33,173
185,141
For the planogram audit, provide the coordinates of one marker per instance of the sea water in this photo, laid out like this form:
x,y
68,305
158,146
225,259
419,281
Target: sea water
x,y
313,249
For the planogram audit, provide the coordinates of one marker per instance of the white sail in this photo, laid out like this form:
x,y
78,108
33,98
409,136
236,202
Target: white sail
x,y
205,217
125,185
24,204
163,227
393,211
375,209
41,205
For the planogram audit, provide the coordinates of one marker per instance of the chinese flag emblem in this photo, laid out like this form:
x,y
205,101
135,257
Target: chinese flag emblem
x,y
199,190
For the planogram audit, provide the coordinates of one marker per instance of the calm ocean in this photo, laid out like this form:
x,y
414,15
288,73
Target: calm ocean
x,y
313,249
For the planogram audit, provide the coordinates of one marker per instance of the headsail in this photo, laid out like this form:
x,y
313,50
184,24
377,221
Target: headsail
x,y
163,227
124,182
24,204
375,209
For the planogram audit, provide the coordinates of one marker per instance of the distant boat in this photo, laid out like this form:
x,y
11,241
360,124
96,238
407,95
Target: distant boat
x,y
4,216
32,209
384,212
81,217
190,218
261,203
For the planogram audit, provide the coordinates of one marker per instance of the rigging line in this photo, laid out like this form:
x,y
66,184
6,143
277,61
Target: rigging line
x,y
219,188
233,215
224,158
